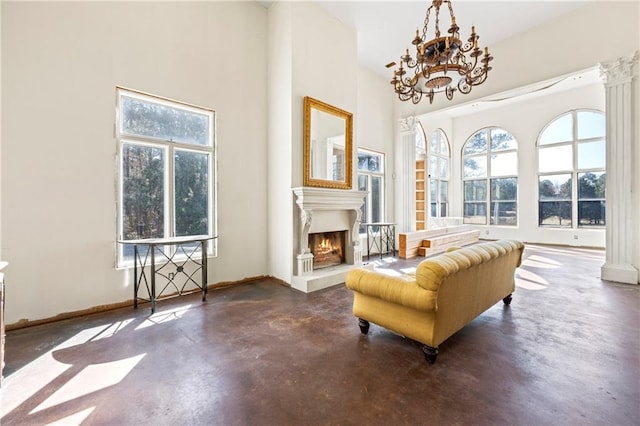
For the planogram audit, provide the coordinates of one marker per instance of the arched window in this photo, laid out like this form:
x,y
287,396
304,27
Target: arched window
x,y
490,178
571,171
439,158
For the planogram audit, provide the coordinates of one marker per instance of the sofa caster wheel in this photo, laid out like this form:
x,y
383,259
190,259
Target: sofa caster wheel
x,y
430,354
364,326
507,300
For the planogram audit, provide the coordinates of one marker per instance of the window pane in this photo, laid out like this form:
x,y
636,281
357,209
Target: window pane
x,y
475,167
592,155
444,147
475,213
146,118
143,169
444,189
591,213
191,193
376,199
554,187
363,186
504,164
501,140
433,185
444,168
591,124
435,142
368,161
560,130
504,189
444,209
420,148
477,144
475,190
434,210
555,159
504,213
591,185
555,213
433,166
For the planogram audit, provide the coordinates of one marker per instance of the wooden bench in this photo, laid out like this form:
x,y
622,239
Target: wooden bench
x,y
433,241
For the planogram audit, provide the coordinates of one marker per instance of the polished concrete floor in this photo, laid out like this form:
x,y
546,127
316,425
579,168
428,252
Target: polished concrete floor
x,y
566,352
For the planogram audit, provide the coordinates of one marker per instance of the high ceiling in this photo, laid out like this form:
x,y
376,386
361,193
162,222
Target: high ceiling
x,y
385,28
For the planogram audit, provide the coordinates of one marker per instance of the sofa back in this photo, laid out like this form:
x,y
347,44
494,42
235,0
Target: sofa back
x,y
469,281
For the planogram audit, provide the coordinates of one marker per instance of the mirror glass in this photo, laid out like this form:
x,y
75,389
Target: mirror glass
x,y
327,145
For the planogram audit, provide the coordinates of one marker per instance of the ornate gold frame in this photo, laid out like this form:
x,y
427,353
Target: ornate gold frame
x,y
309,104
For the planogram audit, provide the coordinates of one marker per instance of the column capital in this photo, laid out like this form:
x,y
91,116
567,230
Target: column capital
x,y
408,124
620,70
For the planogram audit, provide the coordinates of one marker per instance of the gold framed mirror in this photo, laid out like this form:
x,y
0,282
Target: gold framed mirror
x,y
328,149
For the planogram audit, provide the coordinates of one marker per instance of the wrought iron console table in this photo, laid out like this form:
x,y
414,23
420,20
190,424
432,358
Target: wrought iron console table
x,y
175,253
381,236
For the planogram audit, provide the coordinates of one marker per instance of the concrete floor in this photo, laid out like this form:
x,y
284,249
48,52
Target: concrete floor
x,y
566,352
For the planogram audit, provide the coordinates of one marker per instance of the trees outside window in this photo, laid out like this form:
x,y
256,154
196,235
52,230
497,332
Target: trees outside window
x,y
571,171
490,178
371,170
166,169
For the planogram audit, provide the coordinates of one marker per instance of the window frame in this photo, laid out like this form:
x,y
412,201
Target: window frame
x,y
368,199
574,172
169,149
488,177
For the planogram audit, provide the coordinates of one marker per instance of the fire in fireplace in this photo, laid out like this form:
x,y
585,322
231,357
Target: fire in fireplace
x,y
327,248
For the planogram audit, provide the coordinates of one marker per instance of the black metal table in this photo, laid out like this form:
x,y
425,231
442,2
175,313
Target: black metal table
x,y
175,253
382,236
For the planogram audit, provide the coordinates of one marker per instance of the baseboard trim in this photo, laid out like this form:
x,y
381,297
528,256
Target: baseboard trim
x,y
24,323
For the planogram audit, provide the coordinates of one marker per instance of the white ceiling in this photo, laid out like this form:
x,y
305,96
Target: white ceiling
x,y
385,28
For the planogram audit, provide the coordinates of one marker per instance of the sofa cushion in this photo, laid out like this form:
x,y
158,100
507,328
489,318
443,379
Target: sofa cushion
x,y
401,289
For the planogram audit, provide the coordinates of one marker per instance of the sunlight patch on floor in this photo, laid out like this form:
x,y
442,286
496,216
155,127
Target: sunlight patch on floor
x,y
30,379
164,316
530,280
73,419
91,379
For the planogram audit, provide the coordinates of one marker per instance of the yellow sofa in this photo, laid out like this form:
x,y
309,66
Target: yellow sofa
x,y
446,293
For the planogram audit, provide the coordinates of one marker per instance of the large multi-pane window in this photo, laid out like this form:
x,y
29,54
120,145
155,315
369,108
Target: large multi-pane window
x,y
439,174
166,169
571,171
490,178
371,179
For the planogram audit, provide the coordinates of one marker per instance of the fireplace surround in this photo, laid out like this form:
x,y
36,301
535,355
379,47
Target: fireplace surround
x,y
325,210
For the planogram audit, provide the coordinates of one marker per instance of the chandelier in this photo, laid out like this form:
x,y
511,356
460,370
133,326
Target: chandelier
x,y
440,63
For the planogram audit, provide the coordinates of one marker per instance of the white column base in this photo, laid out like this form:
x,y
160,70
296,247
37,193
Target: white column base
x,y
619,273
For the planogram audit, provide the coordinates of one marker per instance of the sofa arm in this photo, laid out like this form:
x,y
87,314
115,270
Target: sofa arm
x,y
402,290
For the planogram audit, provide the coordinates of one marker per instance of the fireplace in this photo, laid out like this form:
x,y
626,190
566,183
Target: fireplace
x,y
327,248
325,211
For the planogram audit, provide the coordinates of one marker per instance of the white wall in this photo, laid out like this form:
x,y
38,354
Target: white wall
x,y
375,127
60,65
280,137
319,59
524,120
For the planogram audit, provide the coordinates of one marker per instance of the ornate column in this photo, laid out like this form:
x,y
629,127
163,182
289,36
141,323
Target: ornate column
x,y
622,210
406,204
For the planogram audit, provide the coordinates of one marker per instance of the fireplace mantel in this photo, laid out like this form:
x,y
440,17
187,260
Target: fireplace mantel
x,y
309,198
344,206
